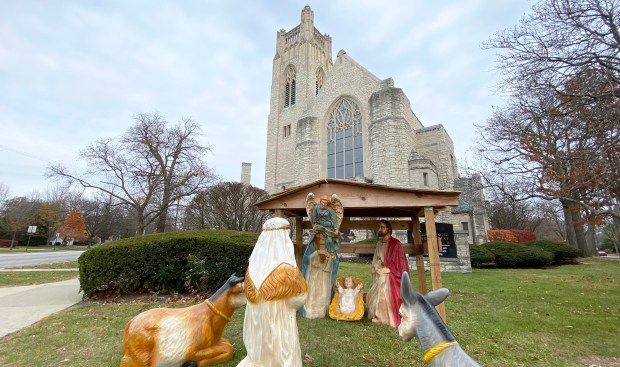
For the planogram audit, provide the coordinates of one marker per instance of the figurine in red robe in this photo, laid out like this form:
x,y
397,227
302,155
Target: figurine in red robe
x,y
388,264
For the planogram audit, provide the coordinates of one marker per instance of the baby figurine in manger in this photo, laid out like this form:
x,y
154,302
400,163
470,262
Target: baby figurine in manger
x,y
348,301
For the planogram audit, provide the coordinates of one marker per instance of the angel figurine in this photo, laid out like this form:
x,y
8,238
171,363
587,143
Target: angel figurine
x,y
320,263
326,218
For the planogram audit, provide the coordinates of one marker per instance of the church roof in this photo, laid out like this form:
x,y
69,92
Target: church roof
x,y
361,199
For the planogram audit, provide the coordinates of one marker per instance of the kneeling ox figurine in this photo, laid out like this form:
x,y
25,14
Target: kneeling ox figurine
x,y
188,337
419,318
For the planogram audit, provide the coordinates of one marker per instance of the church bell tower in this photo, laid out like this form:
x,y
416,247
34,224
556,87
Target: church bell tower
x,y
300,65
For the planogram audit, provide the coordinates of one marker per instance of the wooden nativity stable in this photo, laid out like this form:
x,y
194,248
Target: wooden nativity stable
x,y
364,205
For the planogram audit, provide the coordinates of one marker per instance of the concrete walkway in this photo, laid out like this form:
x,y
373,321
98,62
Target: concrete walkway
x,y
23,306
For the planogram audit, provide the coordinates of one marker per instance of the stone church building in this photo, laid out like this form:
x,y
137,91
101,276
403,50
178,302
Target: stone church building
x,y
335,119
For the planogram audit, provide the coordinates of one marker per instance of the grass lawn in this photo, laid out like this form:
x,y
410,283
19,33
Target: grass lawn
x,y
19,278
557,317
63,265
20,248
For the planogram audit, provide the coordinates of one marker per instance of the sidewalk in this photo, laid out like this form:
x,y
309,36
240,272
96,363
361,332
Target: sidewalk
x,y
23,306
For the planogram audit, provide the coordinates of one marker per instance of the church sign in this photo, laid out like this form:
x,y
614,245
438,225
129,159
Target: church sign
x,y
445,234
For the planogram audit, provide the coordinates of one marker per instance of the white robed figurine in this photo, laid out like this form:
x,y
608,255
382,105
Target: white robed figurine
x,y
275,289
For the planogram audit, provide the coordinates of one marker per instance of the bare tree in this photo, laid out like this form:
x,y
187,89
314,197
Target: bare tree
x,y
612,233
149,168
556,42
228,205
178,156
558,136
105,218
19,213
4,193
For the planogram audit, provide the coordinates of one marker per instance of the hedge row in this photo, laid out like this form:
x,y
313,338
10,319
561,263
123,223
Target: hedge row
x,y
182,261
510,235
530,254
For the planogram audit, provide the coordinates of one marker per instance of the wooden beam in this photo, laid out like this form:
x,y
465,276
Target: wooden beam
x,y
369,248
372,224
433,256
419,255
299,241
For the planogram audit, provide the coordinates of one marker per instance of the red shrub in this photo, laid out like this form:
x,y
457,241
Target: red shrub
x,y
510,235
523,236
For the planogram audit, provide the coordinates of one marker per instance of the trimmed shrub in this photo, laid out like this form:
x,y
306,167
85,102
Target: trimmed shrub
x,y
501,235
510,235
518,255
562,252
480,256
523,235
181,261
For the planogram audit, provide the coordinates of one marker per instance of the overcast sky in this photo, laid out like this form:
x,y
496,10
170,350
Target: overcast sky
x,y
72,72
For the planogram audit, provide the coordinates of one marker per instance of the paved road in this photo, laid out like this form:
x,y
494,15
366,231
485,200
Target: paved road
x,y
18,259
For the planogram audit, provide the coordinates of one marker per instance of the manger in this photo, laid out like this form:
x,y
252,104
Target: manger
x,y
364,204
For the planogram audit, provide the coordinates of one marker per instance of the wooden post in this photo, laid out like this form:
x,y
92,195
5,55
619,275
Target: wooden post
x,y
433,256
419,254
299,240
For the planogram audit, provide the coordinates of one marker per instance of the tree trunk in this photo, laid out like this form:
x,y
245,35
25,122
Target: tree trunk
x,y
140,227
160,226
591,233
574,228
616,240
580,234
13,240
575,233
571,238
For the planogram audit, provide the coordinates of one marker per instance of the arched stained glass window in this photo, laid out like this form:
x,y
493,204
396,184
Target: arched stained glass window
x,y
344,141
289,89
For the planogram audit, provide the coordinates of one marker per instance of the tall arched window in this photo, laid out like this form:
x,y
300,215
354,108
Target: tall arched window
x,y
344,141
320,76
289,90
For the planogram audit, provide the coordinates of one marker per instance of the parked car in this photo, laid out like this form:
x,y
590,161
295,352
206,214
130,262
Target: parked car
x,y
602,253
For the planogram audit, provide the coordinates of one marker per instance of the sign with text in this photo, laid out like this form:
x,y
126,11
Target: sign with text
x,y
445,235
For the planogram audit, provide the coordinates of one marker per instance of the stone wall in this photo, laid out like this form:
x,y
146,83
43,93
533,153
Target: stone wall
x,y
391,138
472,207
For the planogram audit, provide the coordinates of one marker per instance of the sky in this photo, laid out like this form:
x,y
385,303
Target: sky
x,y
73,72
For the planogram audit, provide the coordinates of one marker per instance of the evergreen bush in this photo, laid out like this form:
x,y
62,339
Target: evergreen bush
x,y
518,255
181,261
562,253
480,256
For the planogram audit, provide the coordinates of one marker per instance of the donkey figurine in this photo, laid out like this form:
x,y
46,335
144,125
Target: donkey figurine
x,y
419,318
187,337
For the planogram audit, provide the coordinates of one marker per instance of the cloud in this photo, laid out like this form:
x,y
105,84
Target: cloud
x,y
72,72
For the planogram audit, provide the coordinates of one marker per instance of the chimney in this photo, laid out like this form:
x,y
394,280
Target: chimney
x,y
246,173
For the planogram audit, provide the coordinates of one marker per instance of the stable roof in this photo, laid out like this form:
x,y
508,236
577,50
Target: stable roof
x,y
361,199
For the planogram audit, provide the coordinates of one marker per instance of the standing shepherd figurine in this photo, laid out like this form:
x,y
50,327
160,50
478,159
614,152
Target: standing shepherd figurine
x,y
419,318
320,263
275,290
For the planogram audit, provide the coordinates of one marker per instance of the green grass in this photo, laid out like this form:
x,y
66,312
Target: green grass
x,y
553,317
19,278
20,248
62,265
